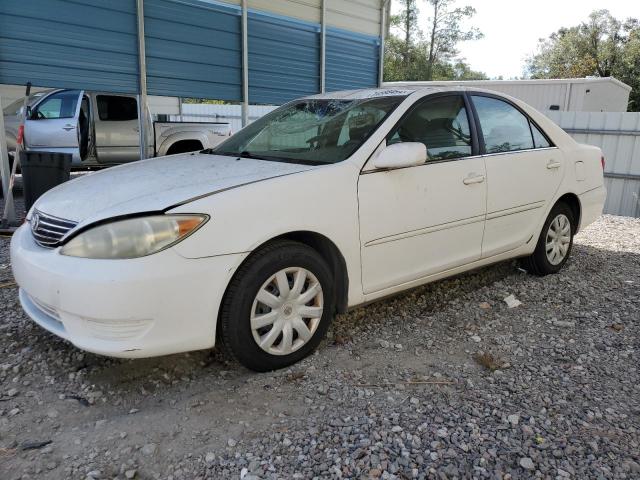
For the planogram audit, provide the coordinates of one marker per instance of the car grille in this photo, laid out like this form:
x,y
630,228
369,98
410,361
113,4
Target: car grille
x,y
48,230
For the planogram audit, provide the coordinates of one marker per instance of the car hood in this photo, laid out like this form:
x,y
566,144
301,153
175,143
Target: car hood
x,y
155,184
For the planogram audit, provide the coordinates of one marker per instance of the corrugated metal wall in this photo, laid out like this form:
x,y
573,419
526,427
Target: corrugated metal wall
x,y
284,58
307,10
361,16
193,49
618,135
57,43
352,60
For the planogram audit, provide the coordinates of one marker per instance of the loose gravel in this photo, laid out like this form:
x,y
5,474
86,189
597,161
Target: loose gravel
x,y
446,381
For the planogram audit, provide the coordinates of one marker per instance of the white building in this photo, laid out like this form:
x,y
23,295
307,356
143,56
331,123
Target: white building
x,y
605,94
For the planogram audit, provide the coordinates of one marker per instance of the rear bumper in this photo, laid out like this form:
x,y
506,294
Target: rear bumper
x,y
155,305
591,203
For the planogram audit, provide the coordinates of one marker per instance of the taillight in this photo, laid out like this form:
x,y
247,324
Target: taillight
x,y
20,135
602,162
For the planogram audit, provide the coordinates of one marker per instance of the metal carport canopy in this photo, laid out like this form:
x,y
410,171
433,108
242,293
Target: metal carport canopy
x,y
194,48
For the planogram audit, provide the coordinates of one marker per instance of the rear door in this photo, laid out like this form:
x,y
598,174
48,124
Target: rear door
x,y
524,170
53,124
116,128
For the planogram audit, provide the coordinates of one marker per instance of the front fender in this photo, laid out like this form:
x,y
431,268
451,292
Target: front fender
x,y
322,201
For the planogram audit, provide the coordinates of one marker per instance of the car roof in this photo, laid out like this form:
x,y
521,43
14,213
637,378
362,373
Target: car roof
x,y
384,92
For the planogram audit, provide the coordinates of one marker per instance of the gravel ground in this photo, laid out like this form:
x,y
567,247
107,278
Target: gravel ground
x,y
445,381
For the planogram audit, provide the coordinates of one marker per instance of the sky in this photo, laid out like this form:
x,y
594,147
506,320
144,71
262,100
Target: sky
x,y
512,28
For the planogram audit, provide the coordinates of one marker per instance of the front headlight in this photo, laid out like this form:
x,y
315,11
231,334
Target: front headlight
x,y
132,238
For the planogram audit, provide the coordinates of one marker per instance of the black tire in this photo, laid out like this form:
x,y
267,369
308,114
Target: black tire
x,y
237,305
538,263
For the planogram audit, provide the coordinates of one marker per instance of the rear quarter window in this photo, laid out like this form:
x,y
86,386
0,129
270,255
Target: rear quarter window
x,y
539,139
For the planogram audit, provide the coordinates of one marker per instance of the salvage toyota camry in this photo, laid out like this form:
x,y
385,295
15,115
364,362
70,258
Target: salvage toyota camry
x,y
326,203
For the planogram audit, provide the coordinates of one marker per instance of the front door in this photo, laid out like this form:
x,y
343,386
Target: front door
x,y
53,124
524,171
418,221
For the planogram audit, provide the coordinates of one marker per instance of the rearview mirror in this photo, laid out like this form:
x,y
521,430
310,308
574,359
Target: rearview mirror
x,y
401,155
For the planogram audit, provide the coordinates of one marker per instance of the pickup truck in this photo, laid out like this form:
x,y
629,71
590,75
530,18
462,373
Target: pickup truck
x,y
102,129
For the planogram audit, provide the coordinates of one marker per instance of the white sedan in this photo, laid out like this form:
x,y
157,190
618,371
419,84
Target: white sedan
x,y
329,202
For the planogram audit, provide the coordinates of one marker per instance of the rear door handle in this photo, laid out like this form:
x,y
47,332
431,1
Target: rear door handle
x,y
68,127
553,164
473,178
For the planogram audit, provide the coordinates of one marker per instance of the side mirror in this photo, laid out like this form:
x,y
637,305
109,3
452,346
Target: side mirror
x,y
28,113
401,155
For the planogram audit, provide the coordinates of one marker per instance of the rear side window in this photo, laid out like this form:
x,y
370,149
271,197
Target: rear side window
x,y
442,124
504,127
117,109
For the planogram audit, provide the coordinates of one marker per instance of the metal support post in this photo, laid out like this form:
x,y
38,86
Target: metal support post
x,y
143,106
323,47
245,66
5,169
383,32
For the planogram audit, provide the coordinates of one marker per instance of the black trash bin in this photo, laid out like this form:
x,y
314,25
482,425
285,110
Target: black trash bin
x,y
41,171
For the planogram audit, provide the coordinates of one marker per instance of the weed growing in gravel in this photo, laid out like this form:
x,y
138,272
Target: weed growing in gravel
x,y
488,361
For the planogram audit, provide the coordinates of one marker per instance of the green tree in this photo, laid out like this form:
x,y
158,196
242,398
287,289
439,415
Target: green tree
x,y
446,31
603,46
409,56
407,21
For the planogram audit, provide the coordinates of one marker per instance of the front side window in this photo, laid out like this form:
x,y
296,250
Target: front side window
x,y
504,127
441,124
112,108
312,131
58,105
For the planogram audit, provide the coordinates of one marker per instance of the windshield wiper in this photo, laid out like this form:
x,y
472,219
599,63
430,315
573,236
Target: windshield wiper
x,y
243,154
271,158
247,154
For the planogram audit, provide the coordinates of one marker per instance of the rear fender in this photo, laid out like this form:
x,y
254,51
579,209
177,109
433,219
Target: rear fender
x,y
163,148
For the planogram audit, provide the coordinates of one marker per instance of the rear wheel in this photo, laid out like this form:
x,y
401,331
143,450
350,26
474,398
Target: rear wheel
x,y
278,307
555,242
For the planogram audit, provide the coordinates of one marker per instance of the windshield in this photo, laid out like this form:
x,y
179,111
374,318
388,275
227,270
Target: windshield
x,y
311,131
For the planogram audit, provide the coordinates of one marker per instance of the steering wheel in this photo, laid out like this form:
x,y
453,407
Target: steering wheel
x,y
40,115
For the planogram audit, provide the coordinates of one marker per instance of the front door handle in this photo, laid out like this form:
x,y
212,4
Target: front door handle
x,y
553,164
68,127
473,178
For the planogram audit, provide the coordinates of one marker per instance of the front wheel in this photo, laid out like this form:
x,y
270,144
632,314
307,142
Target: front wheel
x,y
554,244
278,306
